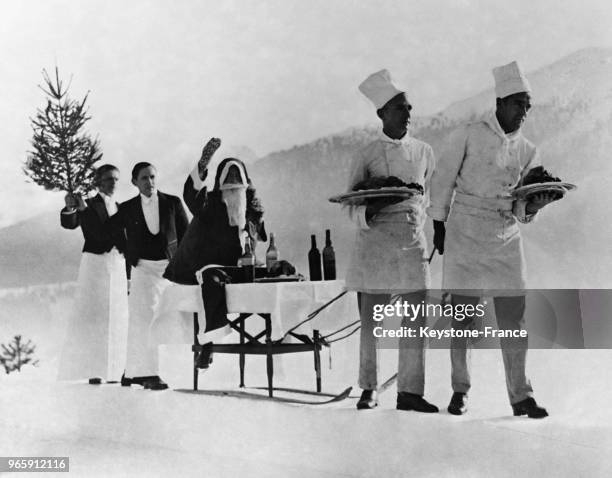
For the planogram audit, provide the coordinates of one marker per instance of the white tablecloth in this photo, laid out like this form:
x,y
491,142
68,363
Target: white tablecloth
x,y
288,303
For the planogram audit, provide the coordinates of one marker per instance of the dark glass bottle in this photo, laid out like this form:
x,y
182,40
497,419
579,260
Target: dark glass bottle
x,y
271,254
329,258
247,262
314,260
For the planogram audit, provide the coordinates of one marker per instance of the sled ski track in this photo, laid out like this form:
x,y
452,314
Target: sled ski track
x,y
258,396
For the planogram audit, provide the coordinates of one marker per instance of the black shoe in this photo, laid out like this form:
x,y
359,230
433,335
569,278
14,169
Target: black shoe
x,y
368,400
530,408
126,382
458,404
412,401
155,383
205,356
95,381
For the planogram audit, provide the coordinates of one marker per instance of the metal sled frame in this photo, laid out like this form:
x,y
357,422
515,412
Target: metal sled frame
x,y
260,344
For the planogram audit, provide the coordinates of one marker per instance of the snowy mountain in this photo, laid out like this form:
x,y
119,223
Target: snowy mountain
x,y
38,251
567,247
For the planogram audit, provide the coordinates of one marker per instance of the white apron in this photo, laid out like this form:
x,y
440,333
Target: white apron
x,y
96,336
146,290
483,251
390,257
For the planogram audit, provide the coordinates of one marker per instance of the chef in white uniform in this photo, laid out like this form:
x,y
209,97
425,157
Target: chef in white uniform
x,y
389,259
482,163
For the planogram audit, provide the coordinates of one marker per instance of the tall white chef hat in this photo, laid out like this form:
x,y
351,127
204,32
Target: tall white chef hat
x,y
510,79
379,88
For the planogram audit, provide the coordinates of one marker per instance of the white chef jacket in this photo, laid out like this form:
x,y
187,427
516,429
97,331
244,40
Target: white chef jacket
x,y
389,255
481,166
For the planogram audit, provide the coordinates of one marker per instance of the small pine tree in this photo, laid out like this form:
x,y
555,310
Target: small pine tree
x,y
63,156
17,354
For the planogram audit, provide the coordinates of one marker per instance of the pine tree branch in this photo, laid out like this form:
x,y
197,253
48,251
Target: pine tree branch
x,y
61,157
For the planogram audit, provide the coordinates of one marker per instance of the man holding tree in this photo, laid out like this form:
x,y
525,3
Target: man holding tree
x,y
96,339
63,156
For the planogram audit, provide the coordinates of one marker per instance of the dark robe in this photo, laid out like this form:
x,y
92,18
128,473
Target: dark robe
x,y
210,239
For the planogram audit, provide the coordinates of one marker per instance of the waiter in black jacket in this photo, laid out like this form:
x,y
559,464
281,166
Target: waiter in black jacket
x,y
154,224
96,338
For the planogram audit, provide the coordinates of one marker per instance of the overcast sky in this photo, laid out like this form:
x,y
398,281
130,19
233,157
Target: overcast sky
x,y
268,74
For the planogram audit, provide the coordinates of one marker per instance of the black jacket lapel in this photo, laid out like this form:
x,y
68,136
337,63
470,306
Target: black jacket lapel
x,y
164,213
137,212
100,207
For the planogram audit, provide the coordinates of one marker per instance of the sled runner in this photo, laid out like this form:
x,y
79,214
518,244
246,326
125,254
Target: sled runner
x,y
253,395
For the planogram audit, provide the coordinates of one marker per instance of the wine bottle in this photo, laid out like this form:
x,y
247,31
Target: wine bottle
x,y
271,254
245,239
314,260
329,258
247,262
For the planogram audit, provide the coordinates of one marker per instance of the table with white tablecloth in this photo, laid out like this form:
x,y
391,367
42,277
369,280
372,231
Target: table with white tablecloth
x,y
281,305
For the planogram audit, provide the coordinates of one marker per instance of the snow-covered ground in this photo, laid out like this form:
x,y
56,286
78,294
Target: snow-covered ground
x,y
117,431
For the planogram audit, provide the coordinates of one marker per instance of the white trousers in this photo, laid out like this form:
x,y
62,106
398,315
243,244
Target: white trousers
x,y
411,359
146,290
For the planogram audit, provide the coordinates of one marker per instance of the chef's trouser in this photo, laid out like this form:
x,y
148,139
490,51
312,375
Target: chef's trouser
x,y
411,360
510,313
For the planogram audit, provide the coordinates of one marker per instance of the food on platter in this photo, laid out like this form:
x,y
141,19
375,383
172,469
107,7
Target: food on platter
x,y
389,188
539,175
378,182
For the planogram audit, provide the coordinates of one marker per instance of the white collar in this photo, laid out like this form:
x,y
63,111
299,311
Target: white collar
x,y
146,200
105,196
383,137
